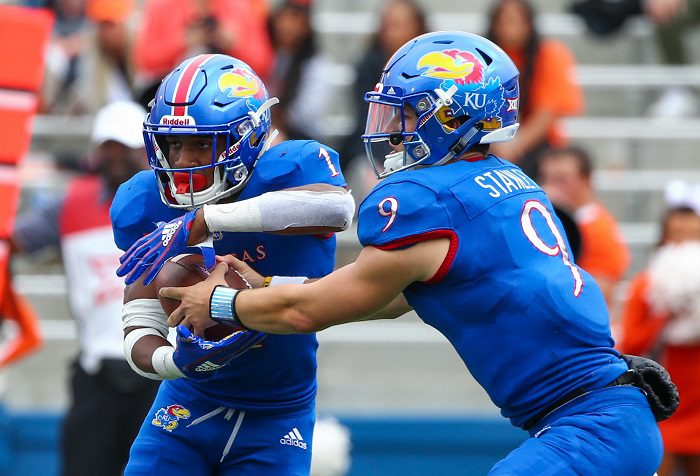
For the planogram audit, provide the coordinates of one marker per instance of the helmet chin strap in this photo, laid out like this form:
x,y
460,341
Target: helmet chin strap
x,y
256,115
457,149
271,136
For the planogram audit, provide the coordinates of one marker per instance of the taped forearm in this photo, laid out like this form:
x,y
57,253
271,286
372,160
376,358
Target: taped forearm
x,y
145,313
281,210
144,318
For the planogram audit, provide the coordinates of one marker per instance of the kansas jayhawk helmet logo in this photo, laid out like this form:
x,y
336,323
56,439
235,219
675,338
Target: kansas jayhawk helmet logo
x,y
240,83
460,66
168,417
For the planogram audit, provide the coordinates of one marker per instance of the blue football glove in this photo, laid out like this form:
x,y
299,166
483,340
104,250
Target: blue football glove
x,y
199,359
149,253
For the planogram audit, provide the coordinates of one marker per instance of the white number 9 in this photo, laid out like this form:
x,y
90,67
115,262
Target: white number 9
x,y
391,212
558,249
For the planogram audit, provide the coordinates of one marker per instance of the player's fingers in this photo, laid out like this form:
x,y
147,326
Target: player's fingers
x,y
199,327
129,260
187,325
134,274
134,266
219,272
171,292
231,261
153,271
176,317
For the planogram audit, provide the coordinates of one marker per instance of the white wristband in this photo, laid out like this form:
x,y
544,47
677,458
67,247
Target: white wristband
x,y
130,341
163,363
280,280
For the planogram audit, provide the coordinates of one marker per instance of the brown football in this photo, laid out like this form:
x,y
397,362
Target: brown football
x,y
186,270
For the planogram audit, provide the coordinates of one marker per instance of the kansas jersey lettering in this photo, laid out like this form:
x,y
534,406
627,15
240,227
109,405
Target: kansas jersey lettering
x,y
527,297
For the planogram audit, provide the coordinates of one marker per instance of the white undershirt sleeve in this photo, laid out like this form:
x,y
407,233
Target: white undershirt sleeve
x,y
280,210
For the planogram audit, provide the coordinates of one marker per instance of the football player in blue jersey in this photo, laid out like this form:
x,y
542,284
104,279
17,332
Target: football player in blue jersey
x,y
218,186
474,246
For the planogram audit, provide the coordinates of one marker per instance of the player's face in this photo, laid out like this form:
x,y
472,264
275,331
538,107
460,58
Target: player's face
x,y
193,151
410,119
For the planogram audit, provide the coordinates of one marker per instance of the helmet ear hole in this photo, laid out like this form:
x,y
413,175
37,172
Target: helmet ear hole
x,y
448,119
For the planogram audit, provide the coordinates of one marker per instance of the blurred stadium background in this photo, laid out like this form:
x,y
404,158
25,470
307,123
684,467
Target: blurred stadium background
x,y
401,389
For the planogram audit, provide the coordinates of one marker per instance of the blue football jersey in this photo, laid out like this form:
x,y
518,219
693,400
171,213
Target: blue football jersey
x,y
529,324
282,373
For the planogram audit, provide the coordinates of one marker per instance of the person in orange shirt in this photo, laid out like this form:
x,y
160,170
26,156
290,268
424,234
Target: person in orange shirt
x,y
173,30
673,338
548,90
565,174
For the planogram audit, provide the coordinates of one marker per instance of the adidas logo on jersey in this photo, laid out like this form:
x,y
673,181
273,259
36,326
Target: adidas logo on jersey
x,y
168,231
293,438
207,367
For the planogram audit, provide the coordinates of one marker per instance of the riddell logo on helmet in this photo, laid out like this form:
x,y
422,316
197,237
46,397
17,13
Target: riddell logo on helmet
x,y
178,120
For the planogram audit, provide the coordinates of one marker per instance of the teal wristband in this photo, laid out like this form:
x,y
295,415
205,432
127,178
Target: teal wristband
x,y
221,305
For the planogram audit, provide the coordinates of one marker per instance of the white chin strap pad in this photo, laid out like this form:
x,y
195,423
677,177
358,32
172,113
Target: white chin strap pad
x,y
503,134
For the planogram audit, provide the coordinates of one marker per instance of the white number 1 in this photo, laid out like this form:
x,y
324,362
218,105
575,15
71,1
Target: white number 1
x,y
558,249
323,154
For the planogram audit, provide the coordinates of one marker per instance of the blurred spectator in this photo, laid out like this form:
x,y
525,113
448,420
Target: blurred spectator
x,y
674,20
661,318
548,88
64,53
566,176
105,72
299,76
173,30
109,401
400,21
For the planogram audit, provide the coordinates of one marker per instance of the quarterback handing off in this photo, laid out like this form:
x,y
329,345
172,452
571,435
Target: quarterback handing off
x,y
474,246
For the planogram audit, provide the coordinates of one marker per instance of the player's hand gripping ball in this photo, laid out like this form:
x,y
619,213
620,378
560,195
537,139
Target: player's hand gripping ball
x,y
189,269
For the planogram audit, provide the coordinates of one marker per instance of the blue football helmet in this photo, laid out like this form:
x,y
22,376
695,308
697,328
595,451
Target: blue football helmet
x,y
208,95
462,90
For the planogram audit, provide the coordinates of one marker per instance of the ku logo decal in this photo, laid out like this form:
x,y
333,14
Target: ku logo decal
x,y
168,417
239,83
460,66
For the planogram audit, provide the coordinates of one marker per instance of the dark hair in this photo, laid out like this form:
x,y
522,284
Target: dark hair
x,y
668,215
531,47
418,13
299,58
583,159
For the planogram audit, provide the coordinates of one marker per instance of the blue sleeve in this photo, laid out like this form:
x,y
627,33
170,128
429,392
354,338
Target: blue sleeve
x,y
137,208
294,164
397,214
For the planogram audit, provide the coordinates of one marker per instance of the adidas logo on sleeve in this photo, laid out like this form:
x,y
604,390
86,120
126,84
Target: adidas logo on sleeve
x,y
207,367
293,438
